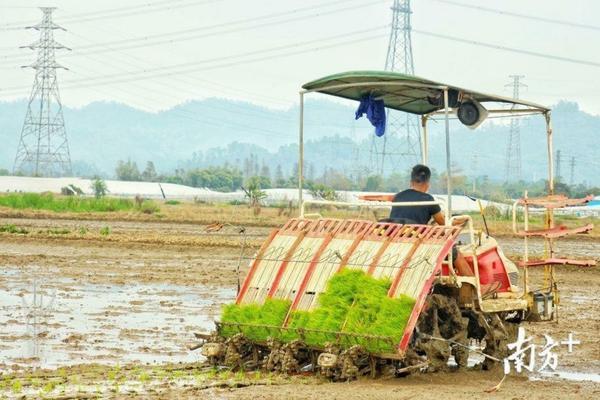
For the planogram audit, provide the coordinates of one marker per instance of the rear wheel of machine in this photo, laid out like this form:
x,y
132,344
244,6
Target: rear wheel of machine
x,y
497,330
443,332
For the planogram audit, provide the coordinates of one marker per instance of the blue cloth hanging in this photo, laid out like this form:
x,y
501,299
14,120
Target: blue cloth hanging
x,y
375,110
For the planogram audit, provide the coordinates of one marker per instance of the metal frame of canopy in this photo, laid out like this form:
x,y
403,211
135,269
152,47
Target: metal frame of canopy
x,y
446,111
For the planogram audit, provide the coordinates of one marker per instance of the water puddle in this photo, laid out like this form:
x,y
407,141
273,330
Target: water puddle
x,y
570,376
47,321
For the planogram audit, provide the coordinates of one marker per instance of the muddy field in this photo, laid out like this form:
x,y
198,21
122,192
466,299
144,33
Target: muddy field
x,y
118,311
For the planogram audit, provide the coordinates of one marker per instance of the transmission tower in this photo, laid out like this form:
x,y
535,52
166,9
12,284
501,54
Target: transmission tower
x,y
558,162
572,165
43,148
513,147
401,144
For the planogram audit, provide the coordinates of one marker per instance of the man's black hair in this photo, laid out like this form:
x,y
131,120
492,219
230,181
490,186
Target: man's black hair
x,y
420,174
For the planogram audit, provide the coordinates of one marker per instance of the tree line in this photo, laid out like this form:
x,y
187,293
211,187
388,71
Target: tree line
x,y
228,178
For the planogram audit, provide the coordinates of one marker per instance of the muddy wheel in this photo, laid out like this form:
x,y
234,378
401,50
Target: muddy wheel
x,y
295,356
461,354
355,362
274,358
497,331
240,353
442,319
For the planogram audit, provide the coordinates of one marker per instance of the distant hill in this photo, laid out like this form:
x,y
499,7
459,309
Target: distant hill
x,y
217,131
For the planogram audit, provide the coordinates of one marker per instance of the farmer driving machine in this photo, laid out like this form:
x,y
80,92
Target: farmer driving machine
x,y
352,297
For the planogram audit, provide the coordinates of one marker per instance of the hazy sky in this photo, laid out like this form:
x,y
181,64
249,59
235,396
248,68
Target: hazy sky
x,y
262,50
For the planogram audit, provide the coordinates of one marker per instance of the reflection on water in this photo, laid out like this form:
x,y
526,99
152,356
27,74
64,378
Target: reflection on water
x,y
38,310
48,321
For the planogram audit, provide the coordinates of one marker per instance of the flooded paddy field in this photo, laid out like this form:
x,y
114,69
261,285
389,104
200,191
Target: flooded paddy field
x,y
49,321
90,308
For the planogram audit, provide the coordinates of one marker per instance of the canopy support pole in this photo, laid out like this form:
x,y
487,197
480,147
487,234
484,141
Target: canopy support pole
x,y
448,164
424,142
550,155
301,155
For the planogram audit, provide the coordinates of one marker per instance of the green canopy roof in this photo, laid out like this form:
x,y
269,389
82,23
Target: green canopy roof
x,y
402,92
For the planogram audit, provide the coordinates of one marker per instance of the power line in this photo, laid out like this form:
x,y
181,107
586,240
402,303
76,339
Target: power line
x,y
191,34
510,49
186,88
193,66
518,15
118,12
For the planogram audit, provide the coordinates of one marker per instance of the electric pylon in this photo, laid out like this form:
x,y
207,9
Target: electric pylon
x,y
558,162
43,148
572,165
513,147
400,147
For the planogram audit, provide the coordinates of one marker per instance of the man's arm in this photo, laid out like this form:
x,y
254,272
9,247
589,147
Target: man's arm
x,y
440,219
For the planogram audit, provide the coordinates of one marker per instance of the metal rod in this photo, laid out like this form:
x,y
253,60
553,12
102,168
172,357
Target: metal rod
x,y
369,204
301,155
424,142
550,151
526,247
426,336
527,111
448,164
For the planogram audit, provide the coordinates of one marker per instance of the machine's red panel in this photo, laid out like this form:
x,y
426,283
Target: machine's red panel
x,y
491,270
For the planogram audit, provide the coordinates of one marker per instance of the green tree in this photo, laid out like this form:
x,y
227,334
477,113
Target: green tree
x,y
339,181
4,172
99,187
149,173
254,193
127,171
224,179
279,179
396,182
266,172
323,192
374,183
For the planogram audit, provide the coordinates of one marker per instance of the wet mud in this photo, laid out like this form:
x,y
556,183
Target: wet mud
x,y
66,303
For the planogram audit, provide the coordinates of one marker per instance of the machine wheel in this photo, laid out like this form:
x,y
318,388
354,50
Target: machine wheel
x,y
444,332
497,330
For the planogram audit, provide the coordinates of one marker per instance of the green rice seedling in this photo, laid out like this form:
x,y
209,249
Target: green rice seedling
x,y
56,231
16,386
239,376
10,228
49,387
144,378
356,303
272,313
353,302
